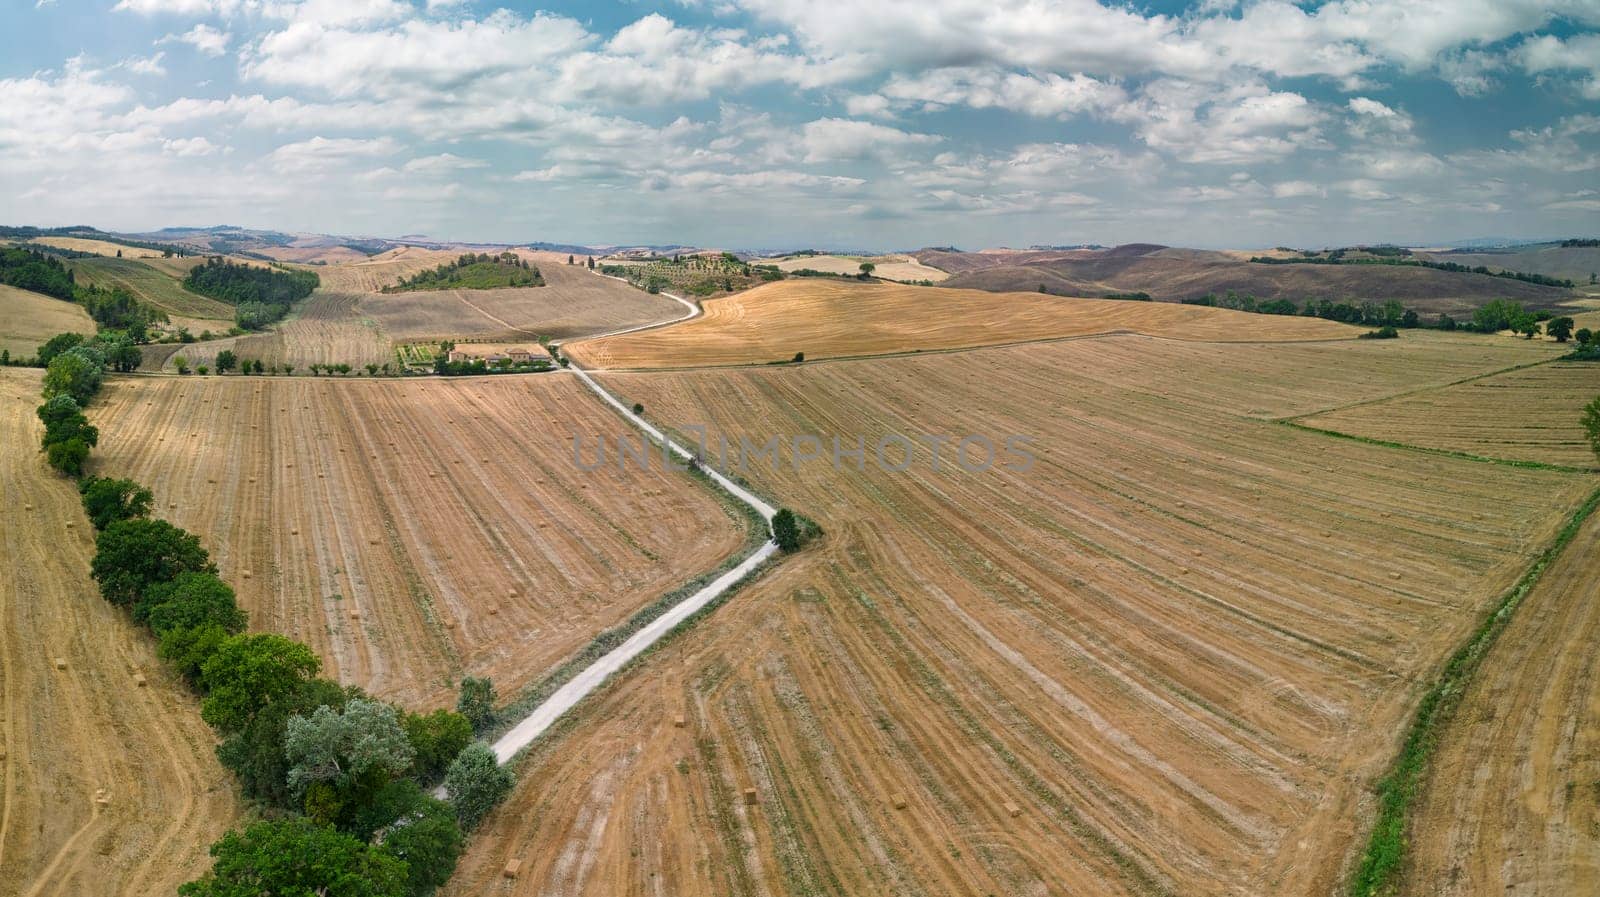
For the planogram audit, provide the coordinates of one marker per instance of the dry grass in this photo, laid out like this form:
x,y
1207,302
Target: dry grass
x,y
28,319
829,319
67,734
447,514
1182,645
1526,415
1513,800
889,267
98,247
385,269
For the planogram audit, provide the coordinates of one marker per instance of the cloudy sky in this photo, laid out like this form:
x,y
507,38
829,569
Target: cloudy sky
x,y
836,123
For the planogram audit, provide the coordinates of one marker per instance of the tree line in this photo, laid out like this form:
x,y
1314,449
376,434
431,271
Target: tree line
x,y
343,776
260,295
1337,258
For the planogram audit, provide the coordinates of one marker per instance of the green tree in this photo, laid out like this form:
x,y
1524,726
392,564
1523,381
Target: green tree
x,y
181,363
867,268
227,361
255,753
785,530
339,758
75,373
188,648
108,500
68,456
1591,424
476,784
1583,336
1410,318
1497,315
1560,328
429,842
249,673
298,858
190,600
477,702
1446,322
1525,323
132,555
57,344
436,738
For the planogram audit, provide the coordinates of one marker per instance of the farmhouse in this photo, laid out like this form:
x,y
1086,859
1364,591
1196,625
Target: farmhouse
x,y
499,354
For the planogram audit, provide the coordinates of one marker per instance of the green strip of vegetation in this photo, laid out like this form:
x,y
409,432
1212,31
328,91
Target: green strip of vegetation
x,y
1337,257
260,296
1385,854
1446,453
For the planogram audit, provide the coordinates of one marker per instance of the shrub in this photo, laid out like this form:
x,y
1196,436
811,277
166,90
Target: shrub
x,y
298,857
1381,333
436,738
476,784
477,702
249,673
191,600
68,457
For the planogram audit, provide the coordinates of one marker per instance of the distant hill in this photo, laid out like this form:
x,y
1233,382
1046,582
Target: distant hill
x,y
1176,274
1575,263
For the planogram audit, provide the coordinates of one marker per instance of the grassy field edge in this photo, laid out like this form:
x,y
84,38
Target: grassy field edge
x,y
1385,853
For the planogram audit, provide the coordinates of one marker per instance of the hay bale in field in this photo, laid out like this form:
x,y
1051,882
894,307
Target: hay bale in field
x,y
679,722
750,797
1013,810
513,868
139,680
898,801
61,663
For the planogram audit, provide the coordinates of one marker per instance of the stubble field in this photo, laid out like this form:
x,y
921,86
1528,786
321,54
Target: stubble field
x,y
1169,659
1514,801
71,735
29,319
1525,415
160,288
827,319
413,532
327,328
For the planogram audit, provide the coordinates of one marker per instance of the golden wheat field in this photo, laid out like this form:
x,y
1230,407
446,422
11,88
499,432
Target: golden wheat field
x,y
1171,658
827,319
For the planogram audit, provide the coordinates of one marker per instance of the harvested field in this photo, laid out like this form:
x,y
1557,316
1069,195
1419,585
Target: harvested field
x,y
384,269
98,247
158,288
1172,274
1170,658
829,319
68,736
28,319
1513,801
413,533
327,328
573,302
888,267
1524,415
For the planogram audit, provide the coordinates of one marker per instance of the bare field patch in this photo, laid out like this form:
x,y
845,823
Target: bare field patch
x,y
70,736
1513,800
889,267
1169,658
327,328
98,247
385,269
1524,415
29,319
830,319
413,532
573,302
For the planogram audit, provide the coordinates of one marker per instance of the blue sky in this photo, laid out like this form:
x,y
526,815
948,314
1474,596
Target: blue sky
x,y
786,123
